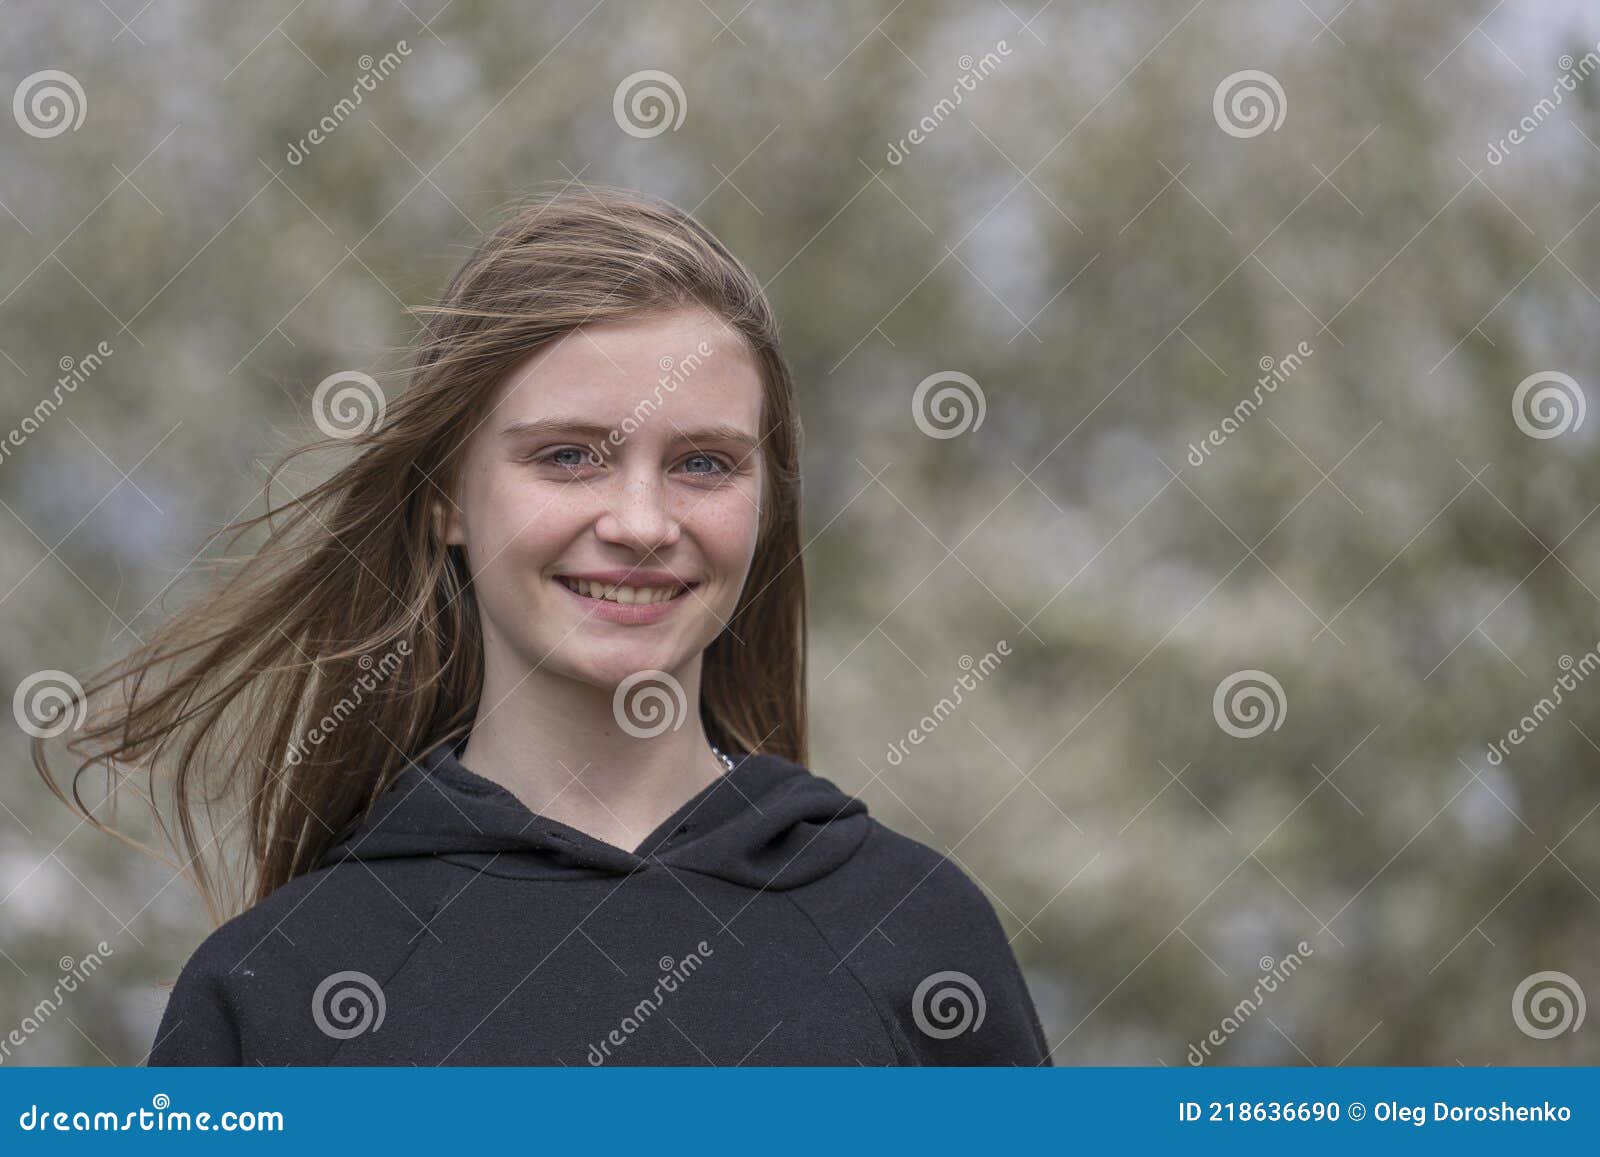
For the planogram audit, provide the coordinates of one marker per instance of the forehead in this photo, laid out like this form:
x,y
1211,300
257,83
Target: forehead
x,y
685,366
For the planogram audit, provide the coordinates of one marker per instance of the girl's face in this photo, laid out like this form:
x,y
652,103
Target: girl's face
x,y
621,461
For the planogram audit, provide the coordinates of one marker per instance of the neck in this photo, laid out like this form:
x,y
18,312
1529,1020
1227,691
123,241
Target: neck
x,y
556,744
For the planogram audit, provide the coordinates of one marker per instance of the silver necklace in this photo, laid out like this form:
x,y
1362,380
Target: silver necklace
x,y
726,761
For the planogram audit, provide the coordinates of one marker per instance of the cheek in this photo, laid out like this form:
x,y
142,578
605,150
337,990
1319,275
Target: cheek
x,y
727,528
514,524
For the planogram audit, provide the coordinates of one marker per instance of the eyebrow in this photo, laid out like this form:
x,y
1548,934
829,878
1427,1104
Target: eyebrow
x,y
547,427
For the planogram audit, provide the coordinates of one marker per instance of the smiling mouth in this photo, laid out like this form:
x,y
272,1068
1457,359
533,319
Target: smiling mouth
x,y
625,595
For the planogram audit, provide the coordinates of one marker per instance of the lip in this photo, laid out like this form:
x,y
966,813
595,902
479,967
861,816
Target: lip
x,y
631,578
628,614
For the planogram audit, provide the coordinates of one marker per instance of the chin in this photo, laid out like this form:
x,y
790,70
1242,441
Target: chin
x,y
606,667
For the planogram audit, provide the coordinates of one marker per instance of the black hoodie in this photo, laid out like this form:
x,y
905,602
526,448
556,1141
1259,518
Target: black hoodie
x,y
768,921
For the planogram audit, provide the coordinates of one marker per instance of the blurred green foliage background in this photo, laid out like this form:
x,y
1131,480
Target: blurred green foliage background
x,y
1084,238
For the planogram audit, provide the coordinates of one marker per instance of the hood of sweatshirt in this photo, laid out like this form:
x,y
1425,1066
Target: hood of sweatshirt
x,y
768,823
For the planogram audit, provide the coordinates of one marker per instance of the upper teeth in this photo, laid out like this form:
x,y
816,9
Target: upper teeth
x,y
621,594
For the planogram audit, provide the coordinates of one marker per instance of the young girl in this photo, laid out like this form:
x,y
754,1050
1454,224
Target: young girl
x,y
514,708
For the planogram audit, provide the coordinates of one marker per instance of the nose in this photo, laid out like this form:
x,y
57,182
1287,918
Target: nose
x,y
638,517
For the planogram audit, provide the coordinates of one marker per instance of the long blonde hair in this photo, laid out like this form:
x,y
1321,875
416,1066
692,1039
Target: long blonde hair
x,y
222,694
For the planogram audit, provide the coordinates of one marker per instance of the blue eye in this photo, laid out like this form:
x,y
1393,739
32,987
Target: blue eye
x,y
576,458
716,465
571,457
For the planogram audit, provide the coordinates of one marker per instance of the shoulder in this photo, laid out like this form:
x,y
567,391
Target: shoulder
x,y
336,904
898,891
921,934
261,969
206,1013
916,880
230,945
286,923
